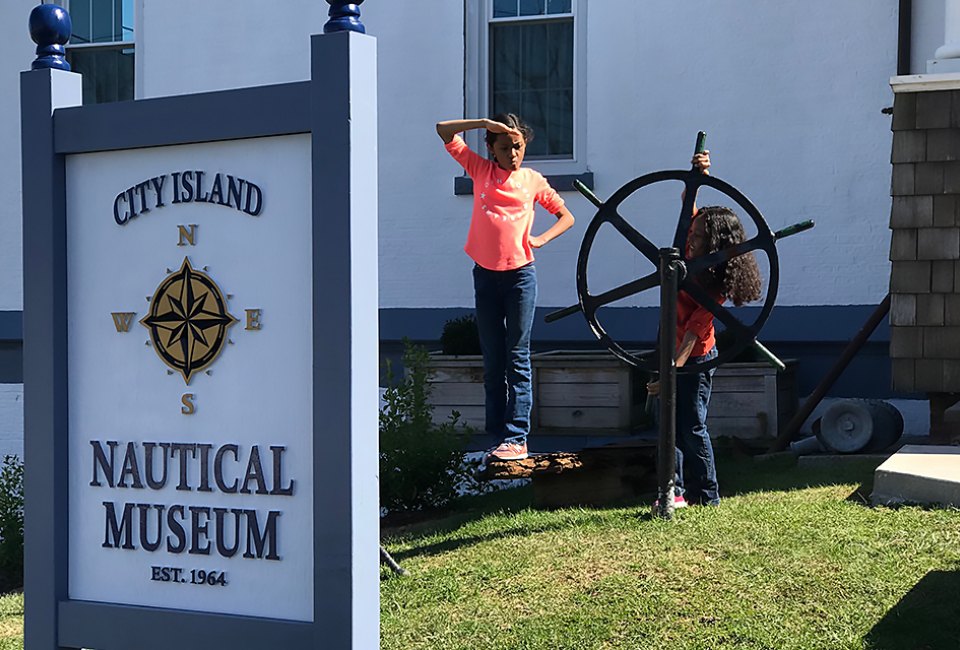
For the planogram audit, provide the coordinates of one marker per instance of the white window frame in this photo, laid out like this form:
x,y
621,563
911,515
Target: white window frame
x,y
478,16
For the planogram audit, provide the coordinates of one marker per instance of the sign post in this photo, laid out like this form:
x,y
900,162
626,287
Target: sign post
x,y
200,358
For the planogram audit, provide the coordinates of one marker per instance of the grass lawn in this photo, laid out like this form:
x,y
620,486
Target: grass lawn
x,y
11,622
792,559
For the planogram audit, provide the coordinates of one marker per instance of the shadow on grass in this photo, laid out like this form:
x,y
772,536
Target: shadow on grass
x,y
926,618
462,512
737,475
505,502
454,544
740,475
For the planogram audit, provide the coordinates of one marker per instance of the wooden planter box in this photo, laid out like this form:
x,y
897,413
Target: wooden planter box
x,y
586,391
456,383
752,400
582,392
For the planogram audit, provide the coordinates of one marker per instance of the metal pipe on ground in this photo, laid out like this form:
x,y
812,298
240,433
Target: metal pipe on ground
x,y
784,437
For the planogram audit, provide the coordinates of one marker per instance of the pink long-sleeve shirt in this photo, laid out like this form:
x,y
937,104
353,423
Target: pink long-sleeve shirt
x,y
499,233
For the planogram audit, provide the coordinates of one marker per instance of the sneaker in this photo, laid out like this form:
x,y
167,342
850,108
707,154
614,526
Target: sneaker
x,y
678,502
509,450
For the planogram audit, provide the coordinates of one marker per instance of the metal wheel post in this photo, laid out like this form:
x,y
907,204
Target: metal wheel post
x,y
670,270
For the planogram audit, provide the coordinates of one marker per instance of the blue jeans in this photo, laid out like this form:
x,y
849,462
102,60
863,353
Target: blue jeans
x,y
505,303
694,449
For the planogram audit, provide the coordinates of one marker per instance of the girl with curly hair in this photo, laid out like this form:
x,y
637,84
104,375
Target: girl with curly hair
x,y
714,228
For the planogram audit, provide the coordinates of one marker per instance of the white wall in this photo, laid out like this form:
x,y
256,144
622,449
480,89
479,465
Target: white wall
x,y
790,94
186,46
11,419
16,54
928,32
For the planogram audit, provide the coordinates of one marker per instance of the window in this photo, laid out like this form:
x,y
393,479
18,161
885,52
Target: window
x,y
531,70
524,57
101,48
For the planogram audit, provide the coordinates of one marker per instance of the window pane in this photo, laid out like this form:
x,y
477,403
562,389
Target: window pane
x,y
535,59
505,73
558,6
507,103
560,122
126,21
532,75
504,8
103,21
80,17
560,61
107,73
533,111
531,7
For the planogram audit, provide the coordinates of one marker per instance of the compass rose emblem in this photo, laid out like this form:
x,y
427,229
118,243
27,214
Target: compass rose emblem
x,y
188,321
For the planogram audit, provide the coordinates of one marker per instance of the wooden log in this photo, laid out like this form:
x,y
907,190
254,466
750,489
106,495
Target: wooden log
x,y
592,476
545,463
626,454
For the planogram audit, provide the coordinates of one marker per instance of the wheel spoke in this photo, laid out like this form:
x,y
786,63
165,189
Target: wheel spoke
x,y
703,262
632,235
721,313
623,291
691,187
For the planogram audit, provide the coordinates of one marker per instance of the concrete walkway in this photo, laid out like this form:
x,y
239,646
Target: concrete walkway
x,y
923,474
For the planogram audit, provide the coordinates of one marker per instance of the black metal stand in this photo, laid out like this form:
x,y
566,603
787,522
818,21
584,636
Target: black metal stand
x,y
671,268
386,558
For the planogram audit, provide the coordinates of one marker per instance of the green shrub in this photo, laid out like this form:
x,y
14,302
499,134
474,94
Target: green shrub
x,y
421,464
460,336
11,521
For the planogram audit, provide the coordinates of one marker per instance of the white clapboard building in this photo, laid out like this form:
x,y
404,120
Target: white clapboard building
x,y
792,96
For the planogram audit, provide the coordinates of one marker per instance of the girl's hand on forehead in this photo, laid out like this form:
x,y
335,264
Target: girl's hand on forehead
x,y
500,127
701,161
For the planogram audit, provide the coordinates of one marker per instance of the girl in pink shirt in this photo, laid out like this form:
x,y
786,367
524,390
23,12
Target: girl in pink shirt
x,y
504,278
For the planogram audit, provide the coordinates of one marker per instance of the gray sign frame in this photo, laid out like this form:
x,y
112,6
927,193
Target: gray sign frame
x,y
338,107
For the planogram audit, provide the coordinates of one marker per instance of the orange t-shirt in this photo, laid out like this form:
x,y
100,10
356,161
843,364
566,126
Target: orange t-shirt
x,y
692,317
499,233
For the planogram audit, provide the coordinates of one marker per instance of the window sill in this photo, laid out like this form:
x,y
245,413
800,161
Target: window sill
x,y
463,185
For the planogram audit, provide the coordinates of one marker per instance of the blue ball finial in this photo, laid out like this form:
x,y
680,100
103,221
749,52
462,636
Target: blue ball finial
x,y
50,29
344,17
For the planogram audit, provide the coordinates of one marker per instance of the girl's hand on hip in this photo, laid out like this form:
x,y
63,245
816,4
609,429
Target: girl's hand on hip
x,y
536,242
653,388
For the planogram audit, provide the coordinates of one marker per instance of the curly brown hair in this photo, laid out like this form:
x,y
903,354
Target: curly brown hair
x,y
737,279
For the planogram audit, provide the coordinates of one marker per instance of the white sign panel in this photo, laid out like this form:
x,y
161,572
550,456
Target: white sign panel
x,y
190,375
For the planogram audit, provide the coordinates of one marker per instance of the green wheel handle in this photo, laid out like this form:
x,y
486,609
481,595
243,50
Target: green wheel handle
x,y
701,142
794,229
583,189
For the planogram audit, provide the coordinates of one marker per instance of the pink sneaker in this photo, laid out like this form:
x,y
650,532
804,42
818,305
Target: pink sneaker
x,y
678,502
509,450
